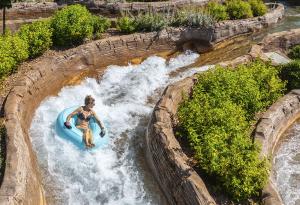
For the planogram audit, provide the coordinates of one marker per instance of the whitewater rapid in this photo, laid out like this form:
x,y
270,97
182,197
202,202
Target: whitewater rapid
x,y
116,174
287,166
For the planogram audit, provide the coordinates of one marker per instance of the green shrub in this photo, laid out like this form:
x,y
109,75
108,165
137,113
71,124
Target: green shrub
x,y
192,17
72,25
13,50
217,121
180,18
291,73
238,9
199,19
38,35
151,21
295,52
217,10
100,25
258,7
126,24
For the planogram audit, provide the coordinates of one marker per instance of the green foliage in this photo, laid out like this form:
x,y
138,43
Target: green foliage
x,y
238,9
151,21
38,35
295,52
291,73
199,19
13,50
5,4
100,25
72,25
217,10
192,17
126,24
217,120
258,7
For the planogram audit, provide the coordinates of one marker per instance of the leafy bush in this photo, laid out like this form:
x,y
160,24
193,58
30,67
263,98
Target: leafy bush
x,y
126,24
13,50
72,25
38,35
238,9
291,73
295,52
151,21
191,17
217,121
217,10
100,25
199,19
258,7
179,18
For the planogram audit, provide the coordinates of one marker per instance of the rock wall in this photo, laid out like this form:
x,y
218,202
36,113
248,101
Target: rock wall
x,y
22,182
281,41
180,183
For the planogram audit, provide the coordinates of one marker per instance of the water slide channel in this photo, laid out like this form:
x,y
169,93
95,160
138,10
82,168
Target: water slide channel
x,y
117,173
125,96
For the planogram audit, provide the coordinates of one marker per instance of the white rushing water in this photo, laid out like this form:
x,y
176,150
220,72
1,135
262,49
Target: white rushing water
x,y
287,167
116,174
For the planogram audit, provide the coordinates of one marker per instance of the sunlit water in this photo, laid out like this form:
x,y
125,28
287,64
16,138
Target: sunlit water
x,y
117,173
287,166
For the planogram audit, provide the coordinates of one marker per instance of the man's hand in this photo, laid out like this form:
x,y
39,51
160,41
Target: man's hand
x,y
68,125
102,133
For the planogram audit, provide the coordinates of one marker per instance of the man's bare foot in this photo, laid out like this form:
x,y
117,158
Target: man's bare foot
x,y
92,145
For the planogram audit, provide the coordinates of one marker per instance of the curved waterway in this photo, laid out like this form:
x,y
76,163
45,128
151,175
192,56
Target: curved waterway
x,y
286,164
116,174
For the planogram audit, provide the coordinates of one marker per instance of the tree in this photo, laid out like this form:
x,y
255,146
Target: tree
x,y
3,5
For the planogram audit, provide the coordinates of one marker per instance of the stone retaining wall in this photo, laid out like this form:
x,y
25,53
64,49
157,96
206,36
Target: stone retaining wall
x,y
170,166
281,41
22,182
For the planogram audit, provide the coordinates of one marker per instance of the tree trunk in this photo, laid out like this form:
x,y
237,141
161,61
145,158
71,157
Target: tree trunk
x,y
3,27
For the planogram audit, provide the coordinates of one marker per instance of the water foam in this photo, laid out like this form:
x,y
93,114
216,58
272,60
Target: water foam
x,y
287,167
116,174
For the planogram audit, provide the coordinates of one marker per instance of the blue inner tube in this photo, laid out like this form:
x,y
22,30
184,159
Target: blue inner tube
x,y
75,134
